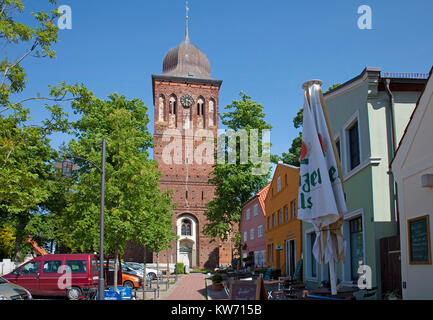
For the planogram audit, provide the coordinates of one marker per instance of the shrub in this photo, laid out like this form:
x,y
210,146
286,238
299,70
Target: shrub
x,y
217,278
180,267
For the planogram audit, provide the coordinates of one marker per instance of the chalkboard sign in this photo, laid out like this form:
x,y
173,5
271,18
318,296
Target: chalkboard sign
x,y
419,240
247,289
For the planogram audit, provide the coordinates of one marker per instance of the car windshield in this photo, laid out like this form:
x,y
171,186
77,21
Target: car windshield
x,y
2,281
126,267
134,266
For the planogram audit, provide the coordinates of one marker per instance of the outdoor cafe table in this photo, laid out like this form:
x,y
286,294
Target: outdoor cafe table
x,y
273,282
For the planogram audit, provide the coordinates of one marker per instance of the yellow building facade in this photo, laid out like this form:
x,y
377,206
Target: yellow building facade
x,y
283,229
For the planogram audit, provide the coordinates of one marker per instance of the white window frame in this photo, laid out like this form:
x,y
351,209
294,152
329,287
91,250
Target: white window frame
x,y
346,234
256,209
293,209
248,214
245,236
279,184
337,137
260,231
252,234
346,143
287,253
308,249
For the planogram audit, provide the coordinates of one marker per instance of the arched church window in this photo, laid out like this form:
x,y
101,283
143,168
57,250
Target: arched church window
x,y
212,113
200,113
161,108
186,228
172,106
200,107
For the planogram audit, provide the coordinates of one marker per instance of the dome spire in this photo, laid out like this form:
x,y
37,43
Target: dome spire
x,y
187,20
186,60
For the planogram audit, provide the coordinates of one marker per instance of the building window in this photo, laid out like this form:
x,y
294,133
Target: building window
x,y
269,223
256,209
293,209
280,219
245,236
356,246
172,106
338,145
353,135
286,213
200,107
248,214
312,262
279,184
212,113
252,234
260,231
186,228
161,108
270,254
274,219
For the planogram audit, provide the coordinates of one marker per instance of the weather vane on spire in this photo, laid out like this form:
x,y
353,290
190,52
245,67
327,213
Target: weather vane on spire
x,y
187,18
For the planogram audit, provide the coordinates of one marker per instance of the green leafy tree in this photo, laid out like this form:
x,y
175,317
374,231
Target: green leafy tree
x,y
236,183
25,151
292,157
133,201
7,241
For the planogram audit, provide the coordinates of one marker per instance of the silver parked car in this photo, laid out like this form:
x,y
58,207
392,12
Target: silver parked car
x,y
138,269
11,291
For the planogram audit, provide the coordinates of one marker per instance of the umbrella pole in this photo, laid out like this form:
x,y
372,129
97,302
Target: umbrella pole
x,y
333,279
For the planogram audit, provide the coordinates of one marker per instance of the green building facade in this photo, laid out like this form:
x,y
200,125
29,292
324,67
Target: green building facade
x,y
368,115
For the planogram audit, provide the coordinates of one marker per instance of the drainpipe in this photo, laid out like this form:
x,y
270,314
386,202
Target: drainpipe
x,y
391,111
387,83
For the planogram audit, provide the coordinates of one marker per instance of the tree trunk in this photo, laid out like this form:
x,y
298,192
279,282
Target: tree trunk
x,y
19,238
168,271
175,262
144,272
157,269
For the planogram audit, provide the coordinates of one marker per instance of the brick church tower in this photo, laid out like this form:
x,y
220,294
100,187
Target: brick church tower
x,y
186,123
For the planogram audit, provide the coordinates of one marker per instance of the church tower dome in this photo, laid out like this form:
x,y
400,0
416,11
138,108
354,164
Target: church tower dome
x,y
186,60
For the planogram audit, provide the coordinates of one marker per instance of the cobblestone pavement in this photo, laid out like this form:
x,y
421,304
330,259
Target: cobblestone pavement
x,y
192,287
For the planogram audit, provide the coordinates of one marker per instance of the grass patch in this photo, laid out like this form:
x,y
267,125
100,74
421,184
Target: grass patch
x,y
204,271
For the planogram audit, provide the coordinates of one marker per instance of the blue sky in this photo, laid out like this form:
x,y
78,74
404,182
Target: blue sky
x,y
265,48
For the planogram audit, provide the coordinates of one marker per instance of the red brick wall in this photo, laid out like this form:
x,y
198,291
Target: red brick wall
x,y
191,177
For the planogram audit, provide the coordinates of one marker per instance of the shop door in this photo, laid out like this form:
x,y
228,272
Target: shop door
x,y
390,264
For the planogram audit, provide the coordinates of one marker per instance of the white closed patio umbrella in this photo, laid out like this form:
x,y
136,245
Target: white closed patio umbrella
x,y
321,196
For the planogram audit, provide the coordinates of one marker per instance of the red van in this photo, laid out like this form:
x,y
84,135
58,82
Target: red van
x,y
58,274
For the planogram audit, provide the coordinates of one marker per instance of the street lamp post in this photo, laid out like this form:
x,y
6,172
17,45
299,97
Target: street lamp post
x,y
67,167
101,286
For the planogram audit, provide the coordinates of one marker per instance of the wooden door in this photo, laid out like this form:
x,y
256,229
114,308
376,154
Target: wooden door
x,y
390,264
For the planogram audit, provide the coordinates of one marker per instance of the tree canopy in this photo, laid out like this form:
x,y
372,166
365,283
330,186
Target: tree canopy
x,y
236,182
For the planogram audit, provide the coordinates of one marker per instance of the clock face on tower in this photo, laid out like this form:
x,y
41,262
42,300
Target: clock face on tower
x,y
186,100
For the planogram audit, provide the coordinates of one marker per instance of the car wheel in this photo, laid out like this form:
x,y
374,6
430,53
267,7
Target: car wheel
x,y
128,284
73,293
151,276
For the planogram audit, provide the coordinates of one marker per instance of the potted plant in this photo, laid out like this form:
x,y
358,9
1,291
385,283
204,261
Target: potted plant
x,y
217,282
392,295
